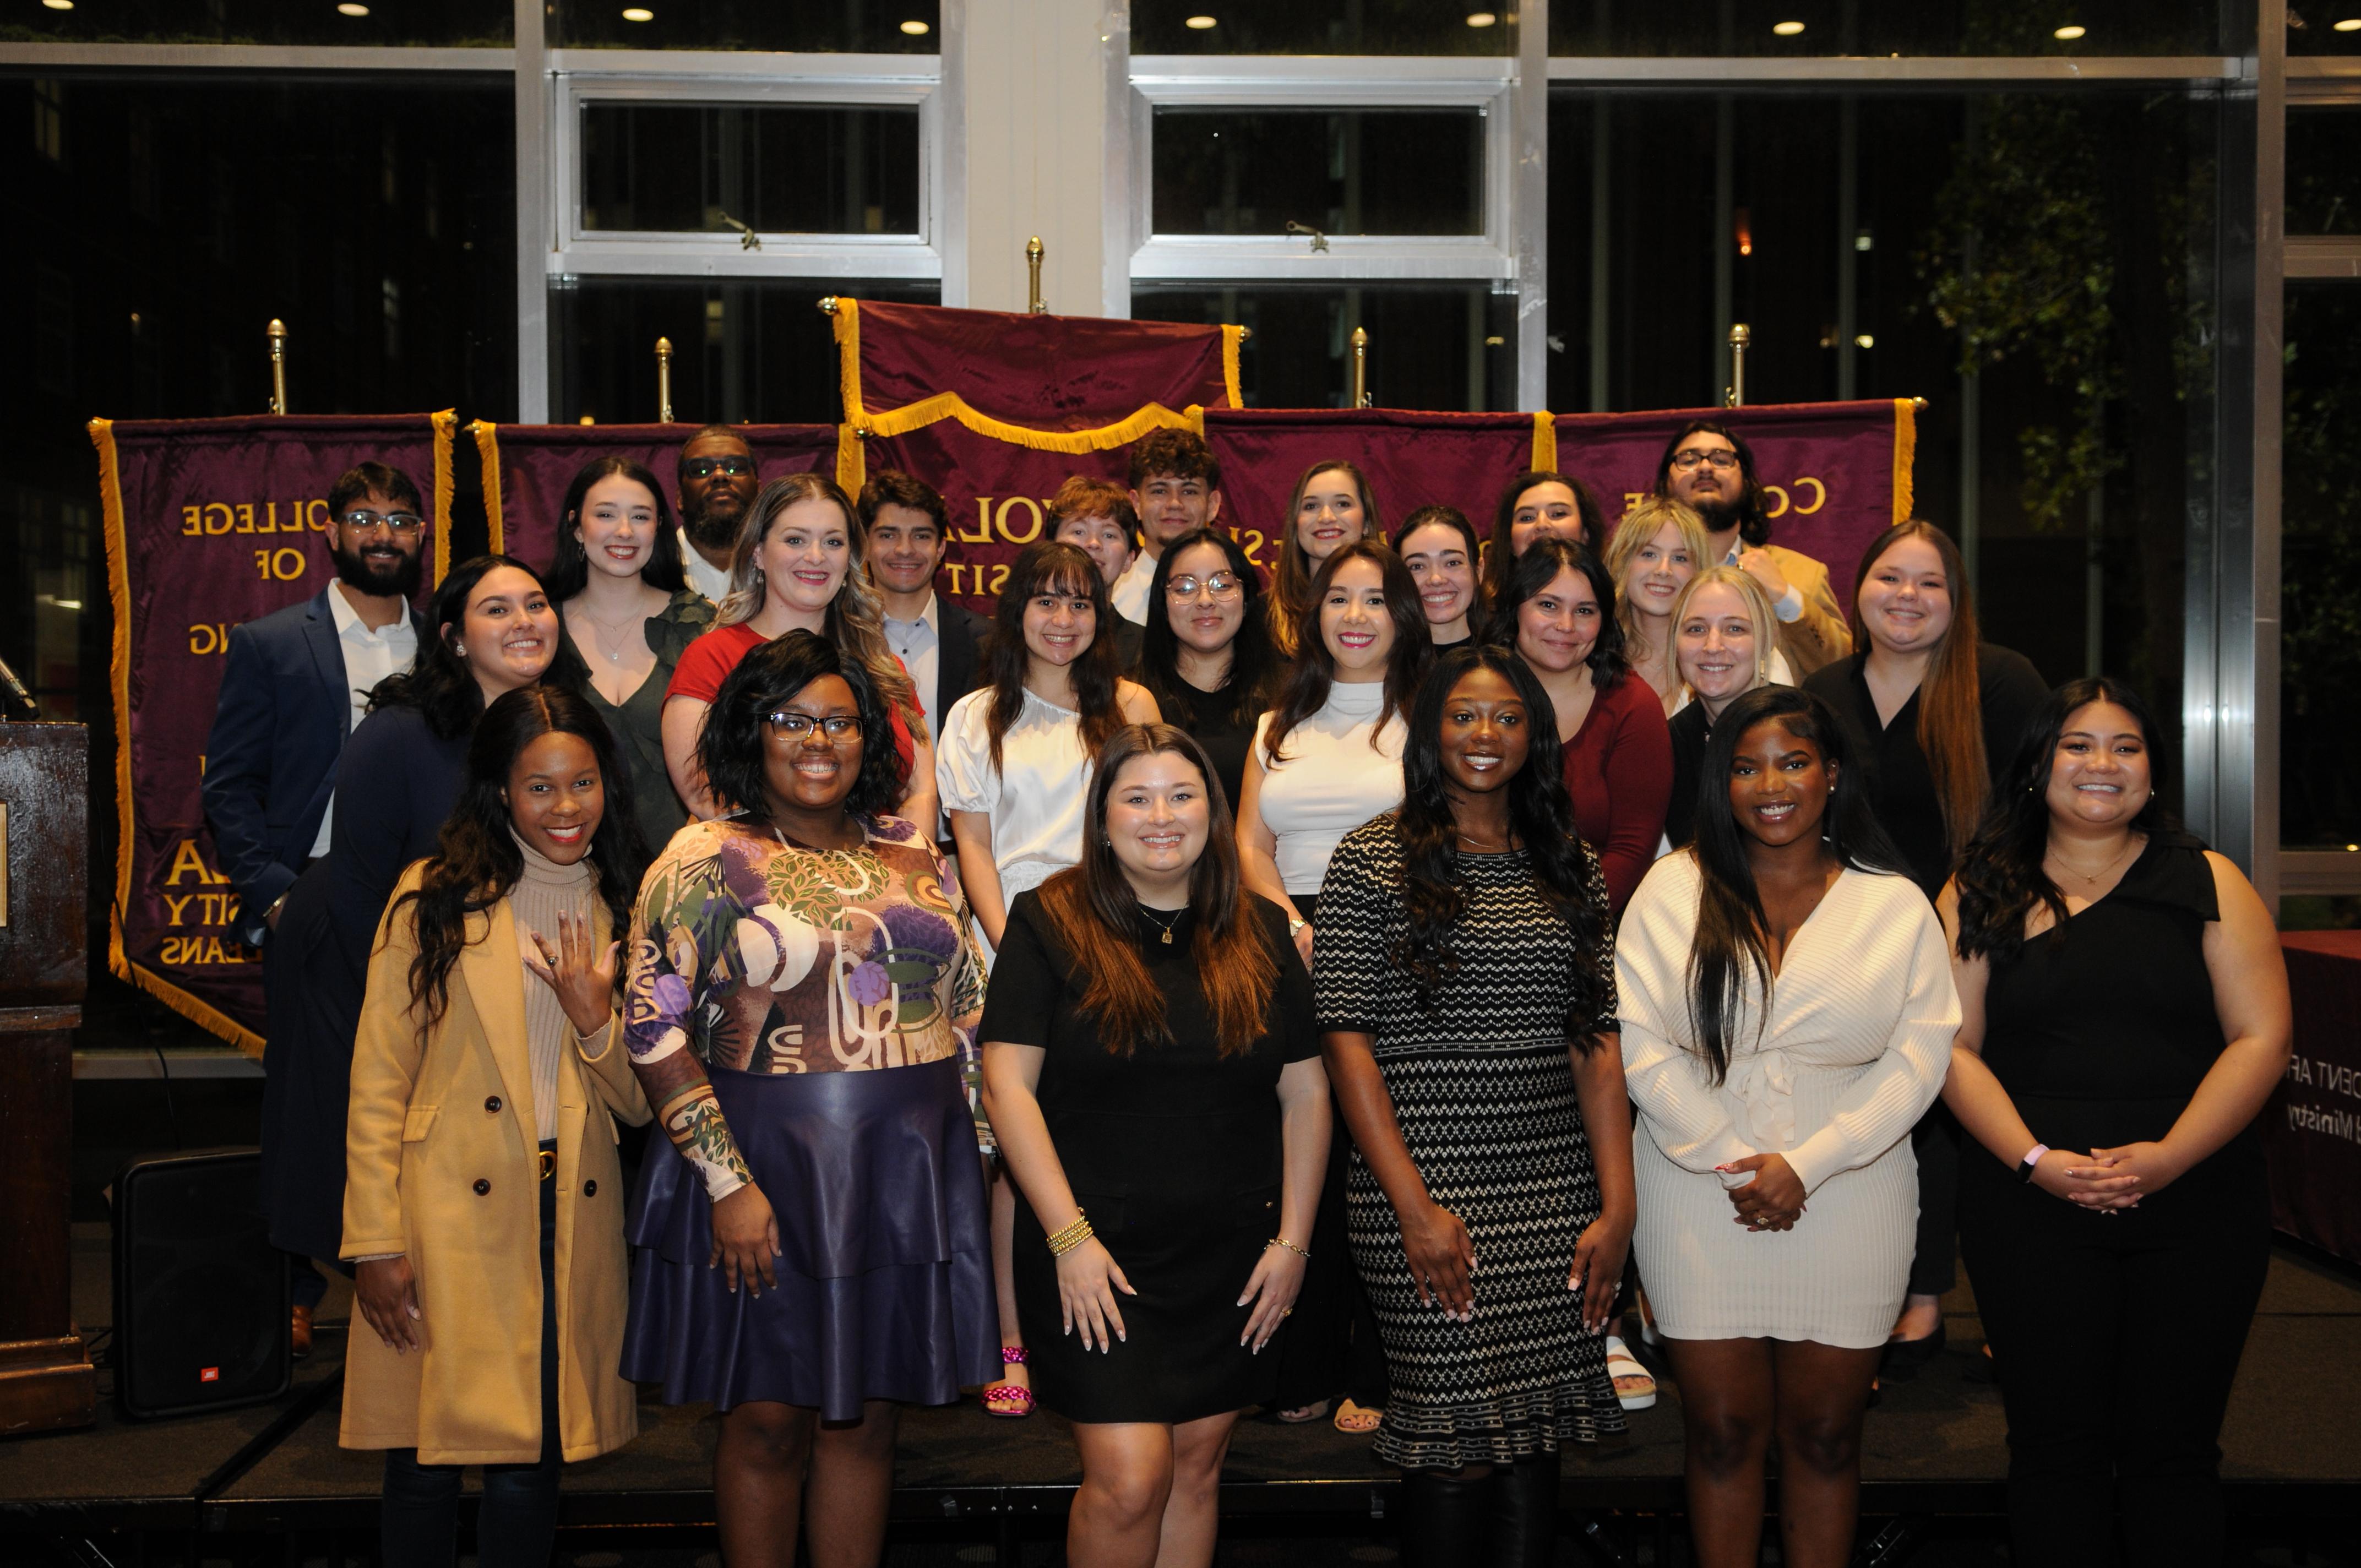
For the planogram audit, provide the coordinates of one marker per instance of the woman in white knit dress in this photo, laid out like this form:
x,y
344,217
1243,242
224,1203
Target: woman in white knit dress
x,y
1778,1190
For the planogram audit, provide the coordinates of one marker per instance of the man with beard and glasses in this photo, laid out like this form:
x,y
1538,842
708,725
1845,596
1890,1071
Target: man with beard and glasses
x,y
1706,466
295,684
718,482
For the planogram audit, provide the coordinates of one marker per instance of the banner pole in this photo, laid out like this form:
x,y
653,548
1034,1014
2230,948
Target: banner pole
x,y
1360,367
664,381
277,333
1739,338
1033,254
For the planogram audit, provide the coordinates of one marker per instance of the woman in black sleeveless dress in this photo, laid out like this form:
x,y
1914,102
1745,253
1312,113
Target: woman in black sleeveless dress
x,y
2125,1014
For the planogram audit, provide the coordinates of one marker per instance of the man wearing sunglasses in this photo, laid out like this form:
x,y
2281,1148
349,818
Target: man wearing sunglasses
x,y
1707,467
293,685
718,481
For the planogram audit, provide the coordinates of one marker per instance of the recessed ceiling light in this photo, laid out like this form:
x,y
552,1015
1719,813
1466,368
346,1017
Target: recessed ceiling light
x,y
1199,23
916,29
1481,18
59,5
2349,25
638,14
352,9
1787,29
1864,340
2070,33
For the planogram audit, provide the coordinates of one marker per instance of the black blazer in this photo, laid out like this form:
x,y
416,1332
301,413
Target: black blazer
x,y
959,668
270,758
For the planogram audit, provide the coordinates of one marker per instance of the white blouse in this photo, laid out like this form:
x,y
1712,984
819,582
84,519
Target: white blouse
x,y
1331,781
1033,797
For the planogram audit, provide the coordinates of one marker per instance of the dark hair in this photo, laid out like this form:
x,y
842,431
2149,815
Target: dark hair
x,y
1480,611
699,433
1501,558
2000,879
569,564
1291,584
1565,871
1730,924
729,745
1253,663
475,860
1048,566
1753,527
1536,570
1180,454
363,480
1093,909
1951,725
893,488
1304,690
439,684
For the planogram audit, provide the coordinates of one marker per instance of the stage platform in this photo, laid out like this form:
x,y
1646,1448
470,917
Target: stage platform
x,y
1934,1447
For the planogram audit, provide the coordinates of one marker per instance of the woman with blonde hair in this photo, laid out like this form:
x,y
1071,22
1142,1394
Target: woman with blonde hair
x,y
1330,507
1656,549
1725,643
797,568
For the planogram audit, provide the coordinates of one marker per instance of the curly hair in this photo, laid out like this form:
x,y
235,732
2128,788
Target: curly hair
x,y
1537,568
730,747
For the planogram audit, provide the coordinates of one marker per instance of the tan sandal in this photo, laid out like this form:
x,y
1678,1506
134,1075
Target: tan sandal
x,y
1016,1395
1358,1421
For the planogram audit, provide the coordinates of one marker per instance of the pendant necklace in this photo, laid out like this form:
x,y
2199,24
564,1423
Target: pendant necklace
x,y
2091,878
1166,926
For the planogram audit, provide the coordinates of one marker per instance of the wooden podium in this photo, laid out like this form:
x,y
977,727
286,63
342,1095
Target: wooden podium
x,y
46,1380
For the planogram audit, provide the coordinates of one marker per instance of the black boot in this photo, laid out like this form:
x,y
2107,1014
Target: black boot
x,y
1524,1513
1445,1523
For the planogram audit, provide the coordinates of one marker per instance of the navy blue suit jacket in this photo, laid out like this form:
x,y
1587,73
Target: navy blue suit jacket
x,y
271,760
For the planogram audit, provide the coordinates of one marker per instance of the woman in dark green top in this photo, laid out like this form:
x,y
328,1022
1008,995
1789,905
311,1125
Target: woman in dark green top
x,y
628,614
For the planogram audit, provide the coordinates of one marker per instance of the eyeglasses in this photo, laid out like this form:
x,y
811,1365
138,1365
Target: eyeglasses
x,y
402,525
796,726
1723,461
1219,586
705,467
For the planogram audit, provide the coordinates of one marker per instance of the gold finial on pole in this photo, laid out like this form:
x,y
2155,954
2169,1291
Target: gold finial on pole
x,y
277,333
1033,254
1739,338
828,304
1360,367
664,381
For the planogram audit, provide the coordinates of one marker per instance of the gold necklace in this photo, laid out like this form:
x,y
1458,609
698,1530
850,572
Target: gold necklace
x,y
1166,926
2090,877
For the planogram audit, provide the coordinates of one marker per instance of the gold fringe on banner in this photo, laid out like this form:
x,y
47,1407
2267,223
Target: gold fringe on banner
x,y
1232,336
1905,453
1544,443
488,452
445,422
851,465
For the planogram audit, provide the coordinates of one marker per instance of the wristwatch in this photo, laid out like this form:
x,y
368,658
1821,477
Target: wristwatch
x,y
2032,1160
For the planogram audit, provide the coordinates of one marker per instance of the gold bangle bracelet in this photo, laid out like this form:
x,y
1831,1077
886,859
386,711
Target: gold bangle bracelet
x,y
1282,1241
1072,1236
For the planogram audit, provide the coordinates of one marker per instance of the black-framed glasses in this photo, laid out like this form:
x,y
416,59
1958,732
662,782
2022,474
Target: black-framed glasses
x,y
1723,461
402,525
705,467
1219,586
796,726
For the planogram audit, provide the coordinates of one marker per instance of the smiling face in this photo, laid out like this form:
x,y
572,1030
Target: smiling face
x,y
1905,601
1060,622
510,633
1557,627
1546,511
1716,646
2100,772
1202,621
555,796
1444,571
1170,506
1158,818
617,526
1328,515
376,544
905,548
804,555
1486,732
1355,623
1657,572
814,770
1779,784
1106,542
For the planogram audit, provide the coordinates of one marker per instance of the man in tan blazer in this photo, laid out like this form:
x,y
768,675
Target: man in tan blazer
x,y
1707,466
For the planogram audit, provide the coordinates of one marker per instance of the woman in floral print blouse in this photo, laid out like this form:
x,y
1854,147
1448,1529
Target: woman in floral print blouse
x,y
802,993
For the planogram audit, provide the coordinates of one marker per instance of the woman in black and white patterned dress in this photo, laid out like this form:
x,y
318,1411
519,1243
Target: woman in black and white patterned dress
x,y
1463,977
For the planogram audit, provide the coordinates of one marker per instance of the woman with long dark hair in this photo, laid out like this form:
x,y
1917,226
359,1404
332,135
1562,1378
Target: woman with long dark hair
x,y
2124,1015
493,985
1557,612
1207,659
628,614
1154,1078
1466,1003
1331,506
1787,1013
811,1238
1543,504
1439,546
1931,709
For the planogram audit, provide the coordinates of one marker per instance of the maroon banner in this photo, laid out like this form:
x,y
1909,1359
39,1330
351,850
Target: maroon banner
x,y
2312,1125
211,523
527,467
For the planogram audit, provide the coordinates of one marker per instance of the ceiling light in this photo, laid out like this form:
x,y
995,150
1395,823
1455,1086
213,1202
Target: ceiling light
x,y
1481,18
1787,29
638,14
1199,23
351,8
1863,241
2350,25
921,29
59,5
2070,33
1864,340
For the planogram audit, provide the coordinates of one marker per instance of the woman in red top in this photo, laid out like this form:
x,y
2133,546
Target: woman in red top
x,y
797,568
1558,612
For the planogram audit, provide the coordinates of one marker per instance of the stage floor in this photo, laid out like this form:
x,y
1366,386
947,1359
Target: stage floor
x,y
1934,1446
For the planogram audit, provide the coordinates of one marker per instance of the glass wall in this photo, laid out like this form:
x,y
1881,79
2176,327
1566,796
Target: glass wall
x,y
1430,345
867,27
1804,28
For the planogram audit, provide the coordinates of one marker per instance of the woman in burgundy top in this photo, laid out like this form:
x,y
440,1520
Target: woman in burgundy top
x,y
1558,613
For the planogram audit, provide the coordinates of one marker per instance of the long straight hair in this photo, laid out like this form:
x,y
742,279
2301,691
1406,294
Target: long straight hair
x,y
1732,931
1950,696
1291,584
2000,879
1310,678
439,684
569,562
1540,813
1094,913
1639,525
1047,566
1500,554
1253,665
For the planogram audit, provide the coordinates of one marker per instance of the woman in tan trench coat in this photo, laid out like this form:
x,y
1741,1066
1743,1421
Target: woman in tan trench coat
x,y
484,1201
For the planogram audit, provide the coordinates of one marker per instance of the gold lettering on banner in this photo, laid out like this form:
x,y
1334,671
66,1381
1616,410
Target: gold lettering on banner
x,y
999,578
982,535
191,952
187,862
1030,535
228,518
1821,496
284,565
1253,540
1632,500
193,522
1781,509
210,638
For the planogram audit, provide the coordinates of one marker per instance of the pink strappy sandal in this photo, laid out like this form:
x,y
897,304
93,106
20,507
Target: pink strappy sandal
x,y
1011,1394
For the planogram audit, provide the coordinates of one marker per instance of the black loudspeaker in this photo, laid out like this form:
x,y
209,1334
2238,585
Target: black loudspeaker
x,y
202,1306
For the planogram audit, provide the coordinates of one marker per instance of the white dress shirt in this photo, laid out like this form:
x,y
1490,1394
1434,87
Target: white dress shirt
x,y
1128,593
919,645
711,581
1033,797
369,657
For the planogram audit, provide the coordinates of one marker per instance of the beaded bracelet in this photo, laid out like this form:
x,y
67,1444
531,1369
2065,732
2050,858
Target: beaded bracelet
x,y
1282,1241
1072,1236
